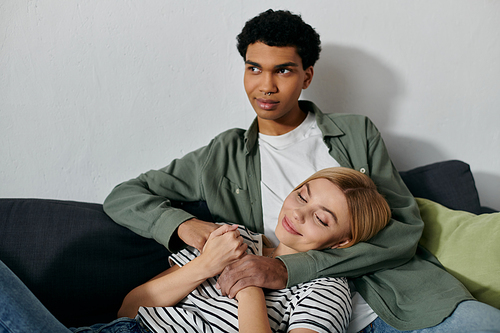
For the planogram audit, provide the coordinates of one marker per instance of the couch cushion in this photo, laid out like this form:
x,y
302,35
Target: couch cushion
x,y
74,258
449,183
467,245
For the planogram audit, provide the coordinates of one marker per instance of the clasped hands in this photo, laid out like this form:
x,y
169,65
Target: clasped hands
x,y
225,248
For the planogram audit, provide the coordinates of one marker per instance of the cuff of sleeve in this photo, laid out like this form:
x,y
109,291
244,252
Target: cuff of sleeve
x,y
166,229
300,266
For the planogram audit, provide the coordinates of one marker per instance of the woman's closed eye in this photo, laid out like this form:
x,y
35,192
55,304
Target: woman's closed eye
x,y
301,198
321,221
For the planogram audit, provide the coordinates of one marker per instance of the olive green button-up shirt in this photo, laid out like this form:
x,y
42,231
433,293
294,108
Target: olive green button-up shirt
x,y
404,285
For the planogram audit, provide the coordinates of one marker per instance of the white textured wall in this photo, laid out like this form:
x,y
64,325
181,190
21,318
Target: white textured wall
x,y
95,92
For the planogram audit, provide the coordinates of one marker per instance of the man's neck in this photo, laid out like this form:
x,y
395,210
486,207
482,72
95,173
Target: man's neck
x,y
280,126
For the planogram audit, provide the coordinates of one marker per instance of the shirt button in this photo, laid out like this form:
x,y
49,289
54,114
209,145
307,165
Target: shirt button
x,y
237,191
362,170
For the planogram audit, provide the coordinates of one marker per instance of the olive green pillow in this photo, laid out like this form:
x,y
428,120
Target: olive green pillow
x,y
467,245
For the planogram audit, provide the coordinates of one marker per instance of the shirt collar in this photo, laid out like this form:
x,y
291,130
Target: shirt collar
x,y
325,124
251,136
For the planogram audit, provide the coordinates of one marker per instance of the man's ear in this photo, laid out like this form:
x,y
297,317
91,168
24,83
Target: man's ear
x,y
308,77
340,244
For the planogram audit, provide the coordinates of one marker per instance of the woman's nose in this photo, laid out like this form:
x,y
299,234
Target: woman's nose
x,y
298,215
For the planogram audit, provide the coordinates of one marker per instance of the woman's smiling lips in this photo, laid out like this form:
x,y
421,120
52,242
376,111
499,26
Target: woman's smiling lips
x,y
267,104
288,226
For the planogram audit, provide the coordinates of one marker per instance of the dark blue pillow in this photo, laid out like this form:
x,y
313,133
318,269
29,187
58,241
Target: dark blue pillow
x,y
449,183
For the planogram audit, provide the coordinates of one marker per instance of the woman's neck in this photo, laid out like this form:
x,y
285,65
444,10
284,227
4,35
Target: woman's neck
x,y
280,250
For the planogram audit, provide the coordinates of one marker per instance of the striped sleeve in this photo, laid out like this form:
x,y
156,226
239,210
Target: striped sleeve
x,y
252,239
326,307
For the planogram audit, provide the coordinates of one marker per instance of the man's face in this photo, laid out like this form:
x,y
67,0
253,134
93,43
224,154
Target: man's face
x,y
274,79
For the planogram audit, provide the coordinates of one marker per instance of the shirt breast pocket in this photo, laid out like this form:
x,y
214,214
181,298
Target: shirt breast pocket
x,y
234,201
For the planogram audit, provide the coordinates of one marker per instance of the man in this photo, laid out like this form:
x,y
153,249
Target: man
x,y
243,176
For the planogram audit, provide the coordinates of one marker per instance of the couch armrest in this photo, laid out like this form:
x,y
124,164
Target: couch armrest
x,y
74,258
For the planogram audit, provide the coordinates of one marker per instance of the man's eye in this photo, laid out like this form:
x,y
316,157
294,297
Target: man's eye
x,y
283,71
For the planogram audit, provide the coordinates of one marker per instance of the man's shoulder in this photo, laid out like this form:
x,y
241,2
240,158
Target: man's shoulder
x,y
340,119
231,135
348,118
346,123
230,142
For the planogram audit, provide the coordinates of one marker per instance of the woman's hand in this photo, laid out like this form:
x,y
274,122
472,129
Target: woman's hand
x,y
223,247
195,232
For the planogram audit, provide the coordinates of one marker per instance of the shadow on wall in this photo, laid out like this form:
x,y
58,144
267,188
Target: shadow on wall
x,y
349,80
407,153
487,185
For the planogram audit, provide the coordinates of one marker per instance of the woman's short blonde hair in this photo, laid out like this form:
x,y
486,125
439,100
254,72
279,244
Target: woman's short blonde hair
x,y
368,210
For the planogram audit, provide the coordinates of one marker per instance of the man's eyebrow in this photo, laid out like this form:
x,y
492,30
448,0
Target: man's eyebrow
x,y
248,62
286,64
322,207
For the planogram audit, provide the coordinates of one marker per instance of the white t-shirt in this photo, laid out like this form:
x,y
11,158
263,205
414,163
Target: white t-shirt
x,y
286,161
322,305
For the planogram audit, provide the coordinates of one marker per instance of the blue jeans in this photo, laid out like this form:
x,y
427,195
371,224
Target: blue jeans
x,y
21,312
121,325
469,316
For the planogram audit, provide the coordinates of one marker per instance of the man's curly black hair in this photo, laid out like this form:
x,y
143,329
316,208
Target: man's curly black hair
x,y
281,28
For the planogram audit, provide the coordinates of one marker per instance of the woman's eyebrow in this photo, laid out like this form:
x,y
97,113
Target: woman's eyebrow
x,y
332,213
322,207
308,190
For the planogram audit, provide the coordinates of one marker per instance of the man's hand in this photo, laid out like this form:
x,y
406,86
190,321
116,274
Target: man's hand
x,y
195,232
252,270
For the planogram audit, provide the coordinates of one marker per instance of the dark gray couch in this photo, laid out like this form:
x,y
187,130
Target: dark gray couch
x,y
81,264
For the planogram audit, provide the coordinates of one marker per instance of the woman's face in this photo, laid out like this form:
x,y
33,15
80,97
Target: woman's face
x,y
314,217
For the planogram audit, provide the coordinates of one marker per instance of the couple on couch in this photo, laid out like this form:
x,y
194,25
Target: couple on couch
x,y
245,177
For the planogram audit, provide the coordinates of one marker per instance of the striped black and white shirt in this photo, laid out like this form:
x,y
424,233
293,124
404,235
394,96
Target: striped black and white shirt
x,y
322,305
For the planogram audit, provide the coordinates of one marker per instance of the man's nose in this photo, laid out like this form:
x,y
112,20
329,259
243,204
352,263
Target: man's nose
x,y
267,84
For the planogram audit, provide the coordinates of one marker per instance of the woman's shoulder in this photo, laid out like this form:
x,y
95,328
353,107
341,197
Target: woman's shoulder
x,y
323,282
327,286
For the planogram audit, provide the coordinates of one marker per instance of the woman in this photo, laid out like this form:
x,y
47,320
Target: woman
x,y
334,208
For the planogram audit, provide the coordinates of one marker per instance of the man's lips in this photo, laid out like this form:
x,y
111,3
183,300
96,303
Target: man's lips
x,y
267,104
288,226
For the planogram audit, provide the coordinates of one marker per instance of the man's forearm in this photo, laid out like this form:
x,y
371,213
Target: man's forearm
x,y
133,206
